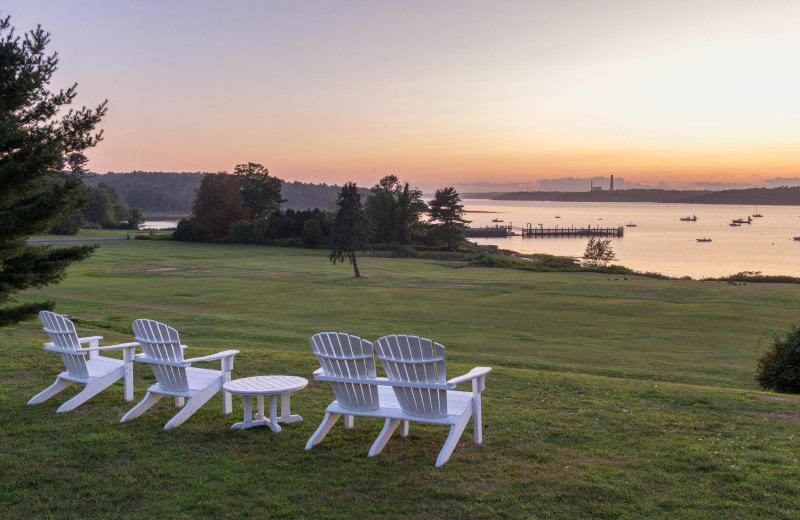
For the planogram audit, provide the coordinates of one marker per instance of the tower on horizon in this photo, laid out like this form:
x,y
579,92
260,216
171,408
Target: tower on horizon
x,y
611,188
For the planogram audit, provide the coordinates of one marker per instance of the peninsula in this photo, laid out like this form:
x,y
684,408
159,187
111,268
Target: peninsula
x,y
782,196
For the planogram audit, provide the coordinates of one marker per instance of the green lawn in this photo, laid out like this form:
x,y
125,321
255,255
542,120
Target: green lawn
x,y
609,398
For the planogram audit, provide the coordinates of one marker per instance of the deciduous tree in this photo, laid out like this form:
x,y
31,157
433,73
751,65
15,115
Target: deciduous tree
x,y
598,252
260,192
394,210
447,216
218,204
36,139
350,230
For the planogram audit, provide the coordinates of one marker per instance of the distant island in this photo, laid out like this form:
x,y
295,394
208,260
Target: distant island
x,y
782,196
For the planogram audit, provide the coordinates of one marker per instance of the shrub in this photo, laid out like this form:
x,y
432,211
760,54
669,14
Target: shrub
x,y
779,367
598,252
485,259
312,234
241,232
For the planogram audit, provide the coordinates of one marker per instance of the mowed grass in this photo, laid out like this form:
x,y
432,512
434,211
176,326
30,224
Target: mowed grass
x,y
259,297
609,398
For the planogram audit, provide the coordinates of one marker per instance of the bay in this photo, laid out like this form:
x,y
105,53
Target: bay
x,y
660,242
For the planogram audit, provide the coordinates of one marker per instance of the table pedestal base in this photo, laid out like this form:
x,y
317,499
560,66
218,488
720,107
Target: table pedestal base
x,y
260,419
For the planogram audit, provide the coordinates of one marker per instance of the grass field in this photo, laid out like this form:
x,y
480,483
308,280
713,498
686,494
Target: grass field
x,y
610,397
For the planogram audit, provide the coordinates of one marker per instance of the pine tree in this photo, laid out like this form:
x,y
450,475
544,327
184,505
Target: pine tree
x,y
350,230
445,208
35,141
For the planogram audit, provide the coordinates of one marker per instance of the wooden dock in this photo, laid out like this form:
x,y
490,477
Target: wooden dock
x,y
489,232
588,231
532,231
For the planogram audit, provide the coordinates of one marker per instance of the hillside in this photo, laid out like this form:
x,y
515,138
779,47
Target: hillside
x,y
174,192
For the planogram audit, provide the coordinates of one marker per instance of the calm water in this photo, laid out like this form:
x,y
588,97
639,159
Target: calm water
x,y
159,224
660,242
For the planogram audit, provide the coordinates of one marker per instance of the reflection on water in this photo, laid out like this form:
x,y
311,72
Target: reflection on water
x,y
160,224
659,241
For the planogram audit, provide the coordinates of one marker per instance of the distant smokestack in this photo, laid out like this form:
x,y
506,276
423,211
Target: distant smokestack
x,y
612,184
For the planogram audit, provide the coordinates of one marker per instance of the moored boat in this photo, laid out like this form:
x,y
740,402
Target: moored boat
x,y
703,239
693,218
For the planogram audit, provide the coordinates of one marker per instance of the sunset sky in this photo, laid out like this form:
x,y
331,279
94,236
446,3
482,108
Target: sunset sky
x,y
445,92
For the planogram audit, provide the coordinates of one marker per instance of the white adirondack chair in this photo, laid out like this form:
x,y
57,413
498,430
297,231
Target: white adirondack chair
x,y
416,368
175,376
84,364
348,364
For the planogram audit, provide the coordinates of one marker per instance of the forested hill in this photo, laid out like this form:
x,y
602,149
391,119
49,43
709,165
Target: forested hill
x,y
153,191
174,192
784,196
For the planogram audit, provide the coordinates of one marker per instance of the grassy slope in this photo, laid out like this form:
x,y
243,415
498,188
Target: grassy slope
x,y
561,440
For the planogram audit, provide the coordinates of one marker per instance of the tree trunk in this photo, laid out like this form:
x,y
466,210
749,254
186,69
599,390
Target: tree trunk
x,y
355,263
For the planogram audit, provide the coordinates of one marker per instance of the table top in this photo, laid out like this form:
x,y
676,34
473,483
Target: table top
x,y
265,385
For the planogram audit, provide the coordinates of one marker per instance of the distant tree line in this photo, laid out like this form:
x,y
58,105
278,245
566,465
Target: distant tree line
x,y
175,192
245,207
101,206
152,191
781,196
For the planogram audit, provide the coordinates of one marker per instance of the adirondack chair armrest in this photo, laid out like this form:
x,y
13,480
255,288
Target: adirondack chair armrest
x,y
142,358
478,377
472,374
212,357
120,346
89,339
52,348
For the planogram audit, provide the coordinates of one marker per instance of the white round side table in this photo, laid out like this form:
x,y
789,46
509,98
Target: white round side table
x,y
260,386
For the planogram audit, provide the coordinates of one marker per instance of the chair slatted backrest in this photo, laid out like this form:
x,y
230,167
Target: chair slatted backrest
x,y
160,342
415,360
62,335
343,355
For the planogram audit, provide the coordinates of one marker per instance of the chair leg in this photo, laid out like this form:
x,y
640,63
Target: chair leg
x,y
455,434
92,389
149,400
323,429
192,405
50,391
388,429
127,378
477,414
